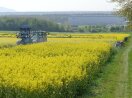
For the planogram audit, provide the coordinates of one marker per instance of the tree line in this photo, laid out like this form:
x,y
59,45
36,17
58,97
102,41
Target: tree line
x,y
14,23
101,28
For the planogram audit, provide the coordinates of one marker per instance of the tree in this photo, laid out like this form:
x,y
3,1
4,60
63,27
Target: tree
x,y
125,10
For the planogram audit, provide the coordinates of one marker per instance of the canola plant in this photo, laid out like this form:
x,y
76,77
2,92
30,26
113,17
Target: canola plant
x,y
56,69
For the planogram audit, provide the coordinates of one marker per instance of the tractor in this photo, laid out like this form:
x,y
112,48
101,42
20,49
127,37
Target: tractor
x,y
27,36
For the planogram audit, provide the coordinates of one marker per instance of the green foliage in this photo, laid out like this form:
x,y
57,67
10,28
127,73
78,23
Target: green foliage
x,y
130,73
125,10
14,23
97,28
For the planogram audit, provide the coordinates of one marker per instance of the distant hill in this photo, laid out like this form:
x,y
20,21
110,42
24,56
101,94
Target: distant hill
x,y
74,18
2,9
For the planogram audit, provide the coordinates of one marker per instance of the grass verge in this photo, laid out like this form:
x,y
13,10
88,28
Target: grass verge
x,y
107,83
130,75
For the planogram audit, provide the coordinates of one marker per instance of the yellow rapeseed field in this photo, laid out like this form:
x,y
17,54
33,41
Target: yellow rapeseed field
x,y
7,42
60,68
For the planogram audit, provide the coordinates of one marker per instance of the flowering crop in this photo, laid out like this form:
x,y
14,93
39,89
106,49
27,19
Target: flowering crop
x,y
56,69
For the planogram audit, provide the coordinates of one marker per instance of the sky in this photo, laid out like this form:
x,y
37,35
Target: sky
x,y
58,5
